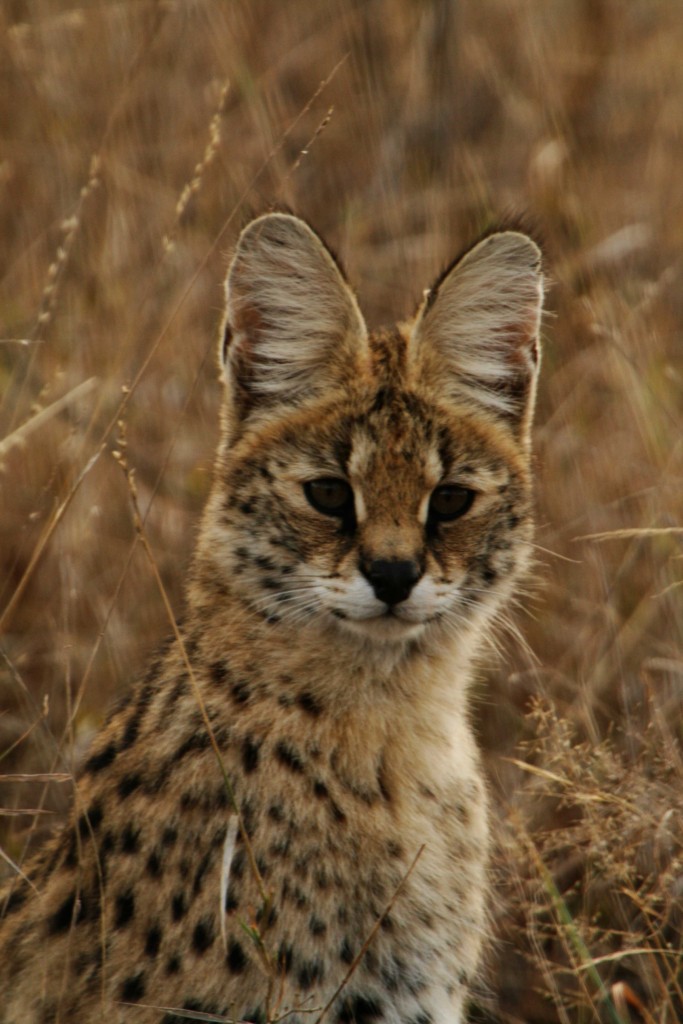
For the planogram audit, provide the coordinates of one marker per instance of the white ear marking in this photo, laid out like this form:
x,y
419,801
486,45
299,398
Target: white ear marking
x,y
294,324
477,330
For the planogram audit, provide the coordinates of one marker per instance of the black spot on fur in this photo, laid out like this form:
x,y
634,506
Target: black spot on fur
x,y
218,671
321,879
380,400
130,840
220,798
154,869
276,811
240,692
202,936
231,900
346,953
133,988
178,906
189,801
196,741
309,704
132,729
300,898
320,790
250,754
128,784
15,900
289,756
359,1010
94,815
169,836
236,958
63,916
153,940
173,964
100,760
316,926
422,1018
124,908
309,973
265,563
337,812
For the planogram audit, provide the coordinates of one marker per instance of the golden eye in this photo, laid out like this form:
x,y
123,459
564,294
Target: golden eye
x,y
330,496
450,501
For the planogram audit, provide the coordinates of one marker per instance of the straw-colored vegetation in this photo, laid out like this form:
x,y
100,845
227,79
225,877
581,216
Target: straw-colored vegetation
x,y
135,139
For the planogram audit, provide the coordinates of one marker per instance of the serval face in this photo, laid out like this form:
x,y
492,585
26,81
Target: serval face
x,y
375,485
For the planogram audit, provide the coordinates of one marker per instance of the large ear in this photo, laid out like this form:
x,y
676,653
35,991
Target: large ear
x,y
292,328
476,335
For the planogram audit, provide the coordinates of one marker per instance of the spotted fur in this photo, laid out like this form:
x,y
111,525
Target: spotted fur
x,y
249,816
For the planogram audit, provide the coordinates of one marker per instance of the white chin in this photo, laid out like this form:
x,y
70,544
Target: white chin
x,y
383,628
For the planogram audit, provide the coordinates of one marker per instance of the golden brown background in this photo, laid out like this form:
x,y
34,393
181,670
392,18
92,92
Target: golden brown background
x,y
136,138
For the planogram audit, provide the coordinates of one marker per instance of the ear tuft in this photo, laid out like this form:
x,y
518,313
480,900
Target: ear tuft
x,y
293,327
477,333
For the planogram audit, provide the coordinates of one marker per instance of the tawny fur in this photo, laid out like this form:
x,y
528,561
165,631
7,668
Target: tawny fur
x,y
337,721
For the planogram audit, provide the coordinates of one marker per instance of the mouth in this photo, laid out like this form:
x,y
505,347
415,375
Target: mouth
x,y
387,626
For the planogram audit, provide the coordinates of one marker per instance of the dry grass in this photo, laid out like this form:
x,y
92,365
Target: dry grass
x,y
135,139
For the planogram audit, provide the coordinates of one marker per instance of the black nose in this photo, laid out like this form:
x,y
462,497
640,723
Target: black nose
x,y
392,579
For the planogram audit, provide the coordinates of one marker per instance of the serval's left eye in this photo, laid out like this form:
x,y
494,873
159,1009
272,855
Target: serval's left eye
x,y
329,495
450,501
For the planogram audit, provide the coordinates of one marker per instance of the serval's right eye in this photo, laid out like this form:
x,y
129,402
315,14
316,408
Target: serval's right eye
x,y
450,501
329,495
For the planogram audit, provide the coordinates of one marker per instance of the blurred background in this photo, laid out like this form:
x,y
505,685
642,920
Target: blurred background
x,y
136,139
